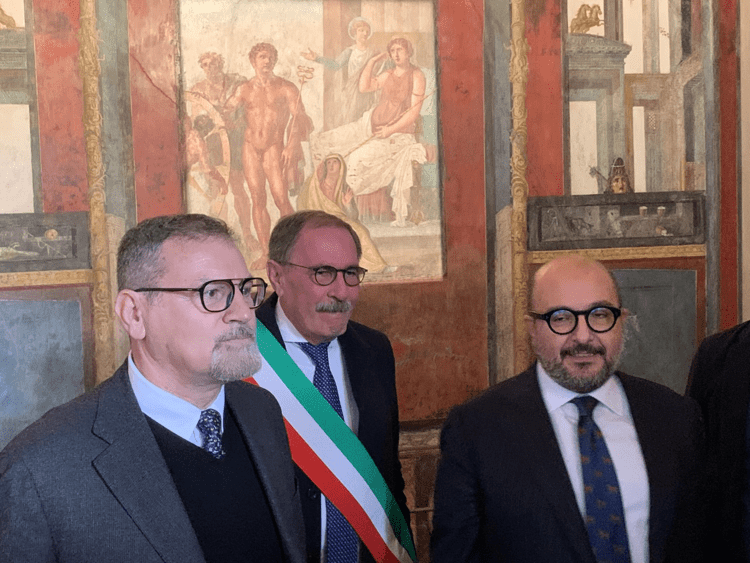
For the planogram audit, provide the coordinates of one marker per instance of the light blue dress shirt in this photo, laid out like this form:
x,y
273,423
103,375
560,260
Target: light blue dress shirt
x,y
173,413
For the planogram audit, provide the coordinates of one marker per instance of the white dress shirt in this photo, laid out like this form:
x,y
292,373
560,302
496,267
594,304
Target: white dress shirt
x,y
616,423
173,413
292,339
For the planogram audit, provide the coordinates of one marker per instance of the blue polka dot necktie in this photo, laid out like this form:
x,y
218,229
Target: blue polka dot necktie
x,y
605,517
342,544
209,425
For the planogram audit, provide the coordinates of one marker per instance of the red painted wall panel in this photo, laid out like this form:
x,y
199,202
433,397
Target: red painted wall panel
x,y
153,89
544,99
61,142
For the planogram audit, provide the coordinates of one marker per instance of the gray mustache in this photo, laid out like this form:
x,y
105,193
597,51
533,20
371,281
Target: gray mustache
x,y
238,332
334,307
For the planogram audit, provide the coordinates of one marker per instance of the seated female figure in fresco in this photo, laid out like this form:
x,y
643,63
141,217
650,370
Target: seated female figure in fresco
x,y
380,147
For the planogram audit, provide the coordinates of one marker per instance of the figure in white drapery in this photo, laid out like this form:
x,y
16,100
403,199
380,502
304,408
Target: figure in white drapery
x,y
380,147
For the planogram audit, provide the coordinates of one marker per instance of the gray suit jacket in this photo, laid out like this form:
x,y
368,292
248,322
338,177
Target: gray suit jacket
x,y
87,482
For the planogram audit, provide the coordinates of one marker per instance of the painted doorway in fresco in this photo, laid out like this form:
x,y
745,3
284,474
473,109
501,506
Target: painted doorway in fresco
x,y
635,96
19,144
353,129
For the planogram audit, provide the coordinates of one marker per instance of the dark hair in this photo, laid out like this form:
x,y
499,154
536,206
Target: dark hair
x,y
203,124
287,231
139,260
260,47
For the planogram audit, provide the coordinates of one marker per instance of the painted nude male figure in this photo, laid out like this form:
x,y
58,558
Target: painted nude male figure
x,y
272,107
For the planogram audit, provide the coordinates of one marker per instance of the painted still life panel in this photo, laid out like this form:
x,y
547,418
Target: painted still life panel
x,y
636,96
327,105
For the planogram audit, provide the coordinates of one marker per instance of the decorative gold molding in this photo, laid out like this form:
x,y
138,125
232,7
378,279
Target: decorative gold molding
x,y
88,38
519,73
46,278
629,253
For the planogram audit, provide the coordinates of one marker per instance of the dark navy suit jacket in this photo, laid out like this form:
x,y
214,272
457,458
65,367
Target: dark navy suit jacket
x,y
720,382
503,493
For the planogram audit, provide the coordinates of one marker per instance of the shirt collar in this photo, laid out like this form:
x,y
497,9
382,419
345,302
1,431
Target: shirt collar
x,y
610,394
173,413
290,334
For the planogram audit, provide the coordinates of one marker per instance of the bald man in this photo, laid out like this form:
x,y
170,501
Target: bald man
x,y
571,461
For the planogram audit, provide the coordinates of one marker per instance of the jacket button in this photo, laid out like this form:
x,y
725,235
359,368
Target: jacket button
x,y
313,494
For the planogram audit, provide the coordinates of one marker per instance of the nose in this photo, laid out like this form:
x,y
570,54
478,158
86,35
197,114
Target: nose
x,y
582,332
339,289
239,310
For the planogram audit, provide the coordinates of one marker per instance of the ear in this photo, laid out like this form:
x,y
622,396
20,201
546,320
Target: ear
x,y
531,326
129,308
275,276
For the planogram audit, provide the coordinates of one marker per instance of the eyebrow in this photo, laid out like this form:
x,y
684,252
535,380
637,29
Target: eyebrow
x,y
594,305
332,266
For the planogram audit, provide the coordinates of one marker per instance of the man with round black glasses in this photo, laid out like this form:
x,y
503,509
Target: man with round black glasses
x,y
571,461
173,458
314,269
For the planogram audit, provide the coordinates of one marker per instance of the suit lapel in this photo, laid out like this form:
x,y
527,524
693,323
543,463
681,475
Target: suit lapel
x,y
266,314
275,475
353,349
135,472
646,412
538,443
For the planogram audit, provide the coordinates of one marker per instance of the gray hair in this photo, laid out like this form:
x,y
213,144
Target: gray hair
x,y
139,260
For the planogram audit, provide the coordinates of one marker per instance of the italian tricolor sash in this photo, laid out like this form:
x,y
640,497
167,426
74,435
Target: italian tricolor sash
x,y
332,456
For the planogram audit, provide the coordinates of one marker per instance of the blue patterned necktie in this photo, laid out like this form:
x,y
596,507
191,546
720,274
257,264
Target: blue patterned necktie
x,y
209,425
341,540
605,517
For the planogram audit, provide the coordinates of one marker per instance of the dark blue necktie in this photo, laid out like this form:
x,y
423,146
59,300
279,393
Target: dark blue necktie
x,y
605,517
209,425
341,540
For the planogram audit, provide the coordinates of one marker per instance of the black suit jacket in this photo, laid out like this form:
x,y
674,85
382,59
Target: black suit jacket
x,y
720,382
370,366
87,482
503,493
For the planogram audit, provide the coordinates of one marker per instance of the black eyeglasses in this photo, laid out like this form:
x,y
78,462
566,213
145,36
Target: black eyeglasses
x,y
217,295
326,275
565,321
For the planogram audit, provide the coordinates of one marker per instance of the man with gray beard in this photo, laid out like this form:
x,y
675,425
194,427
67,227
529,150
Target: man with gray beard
x,y
173,458
571,461
314,269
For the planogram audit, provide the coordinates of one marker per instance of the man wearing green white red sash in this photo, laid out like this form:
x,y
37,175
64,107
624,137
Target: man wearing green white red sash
x,y
335,381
